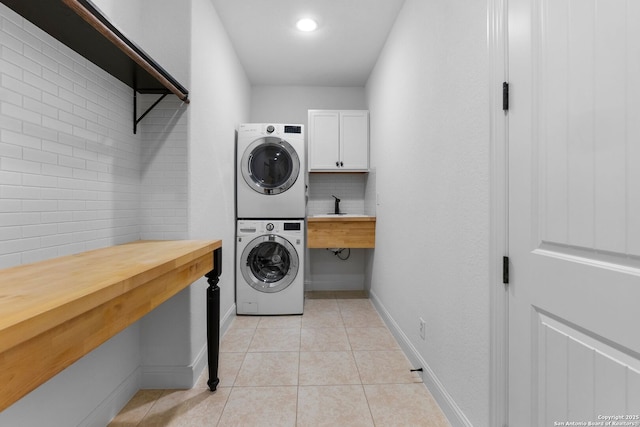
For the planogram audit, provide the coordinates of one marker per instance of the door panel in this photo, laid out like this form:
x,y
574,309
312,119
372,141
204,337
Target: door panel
x,y
324,137
574,210
354,140
632,122
580,376
582,127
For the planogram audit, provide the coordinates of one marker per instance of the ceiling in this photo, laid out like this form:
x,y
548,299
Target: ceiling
x,y
341,52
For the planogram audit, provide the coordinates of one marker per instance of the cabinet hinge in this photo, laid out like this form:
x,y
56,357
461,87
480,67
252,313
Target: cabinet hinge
x,y
505,96
505,270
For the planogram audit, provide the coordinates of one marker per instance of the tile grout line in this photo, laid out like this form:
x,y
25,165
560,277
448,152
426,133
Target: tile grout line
x,y
317,348
233,386
298,376
364,391
155,401
225,405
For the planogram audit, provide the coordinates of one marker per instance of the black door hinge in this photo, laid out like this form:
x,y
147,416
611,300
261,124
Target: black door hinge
x,y
505,270
505,96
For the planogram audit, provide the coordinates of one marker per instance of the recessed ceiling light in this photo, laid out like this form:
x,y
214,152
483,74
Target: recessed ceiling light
x,y
307,25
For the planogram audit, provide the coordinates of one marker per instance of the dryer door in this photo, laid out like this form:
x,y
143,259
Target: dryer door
x,y
270,165
269,263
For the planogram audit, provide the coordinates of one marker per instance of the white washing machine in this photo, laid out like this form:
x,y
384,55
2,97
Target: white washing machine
x,y
270,171
270,267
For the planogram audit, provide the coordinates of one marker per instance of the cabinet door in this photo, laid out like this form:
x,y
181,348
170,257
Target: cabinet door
x,y
354,140
324,140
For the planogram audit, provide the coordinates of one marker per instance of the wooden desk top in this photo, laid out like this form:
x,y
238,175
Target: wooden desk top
x,y
36,297
54,312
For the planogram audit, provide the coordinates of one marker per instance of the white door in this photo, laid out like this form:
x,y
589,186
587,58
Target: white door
x,y
574,212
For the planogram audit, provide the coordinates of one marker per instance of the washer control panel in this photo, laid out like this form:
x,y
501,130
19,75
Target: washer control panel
x,y
270,226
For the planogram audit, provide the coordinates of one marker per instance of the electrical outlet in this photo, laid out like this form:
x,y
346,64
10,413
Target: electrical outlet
x,y
423,328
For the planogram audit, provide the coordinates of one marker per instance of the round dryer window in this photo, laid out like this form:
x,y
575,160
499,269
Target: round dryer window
x,y
270,165
269,263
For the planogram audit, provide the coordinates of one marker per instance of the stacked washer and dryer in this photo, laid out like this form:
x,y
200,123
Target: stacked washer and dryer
x,y
270,238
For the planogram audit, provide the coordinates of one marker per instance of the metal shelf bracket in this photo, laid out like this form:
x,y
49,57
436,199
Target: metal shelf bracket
x,y
137,119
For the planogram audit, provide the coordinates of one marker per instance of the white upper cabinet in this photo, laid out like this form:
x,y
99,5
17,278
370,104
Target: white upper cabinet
x,y
338,140
324,140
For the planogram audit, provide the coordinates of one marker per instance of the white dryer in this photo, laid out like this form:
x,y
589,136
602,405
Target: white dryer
x,y
270,267
270,171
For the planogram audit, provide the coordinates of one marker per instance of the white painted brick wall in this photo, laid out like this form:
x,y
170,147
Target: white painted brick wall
x,y
349,188
70,166
164,198
370,193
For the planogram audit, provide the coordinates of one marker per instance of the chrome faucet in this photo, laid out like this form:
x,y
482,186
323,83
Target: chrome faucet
x,y
337,205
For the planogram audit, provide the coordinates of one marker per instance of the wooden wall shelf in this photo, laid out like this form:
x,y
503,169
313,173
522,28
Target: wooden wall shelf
x,y
82,27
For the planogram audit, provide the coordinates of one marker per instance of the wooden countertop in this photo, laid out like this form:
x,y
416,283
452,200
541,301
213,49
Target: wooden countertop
x,y
64,307
339,218
341,232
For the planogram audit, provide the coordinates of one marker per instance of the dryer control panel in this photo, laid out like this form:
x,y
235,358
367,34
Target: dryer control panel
x,y
247,227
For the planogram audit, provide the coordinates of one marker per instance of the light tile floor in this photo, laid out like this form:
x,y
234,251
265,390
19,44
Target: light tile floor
x,y
336,365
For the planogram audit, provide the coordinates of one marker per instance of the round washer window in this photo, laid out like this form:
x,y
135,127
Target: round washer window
x,y
270,263
270,165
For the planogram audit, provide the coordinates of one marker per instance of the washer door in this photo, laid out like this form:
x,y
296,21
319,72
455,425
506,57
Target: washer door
x,y
269,263
270,165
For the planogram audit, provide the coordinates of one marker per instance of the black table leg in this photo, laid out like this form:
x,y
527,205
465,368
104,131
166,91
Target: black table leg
x,y
213,319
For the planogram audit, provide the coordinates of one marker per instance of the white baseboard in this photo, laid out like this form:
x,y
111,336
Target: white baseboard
x,y
199,365
167,376
150,377
113,404
182,377
226,320
449,407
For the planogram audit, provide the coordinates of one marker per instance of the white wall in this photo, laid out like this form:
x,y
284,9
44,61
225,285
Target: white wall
x,y
324,270
125,16
157,27
69,182
69,164
164,334
428,100
88,393
73,176
219,102
164,169
167,360
289,104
